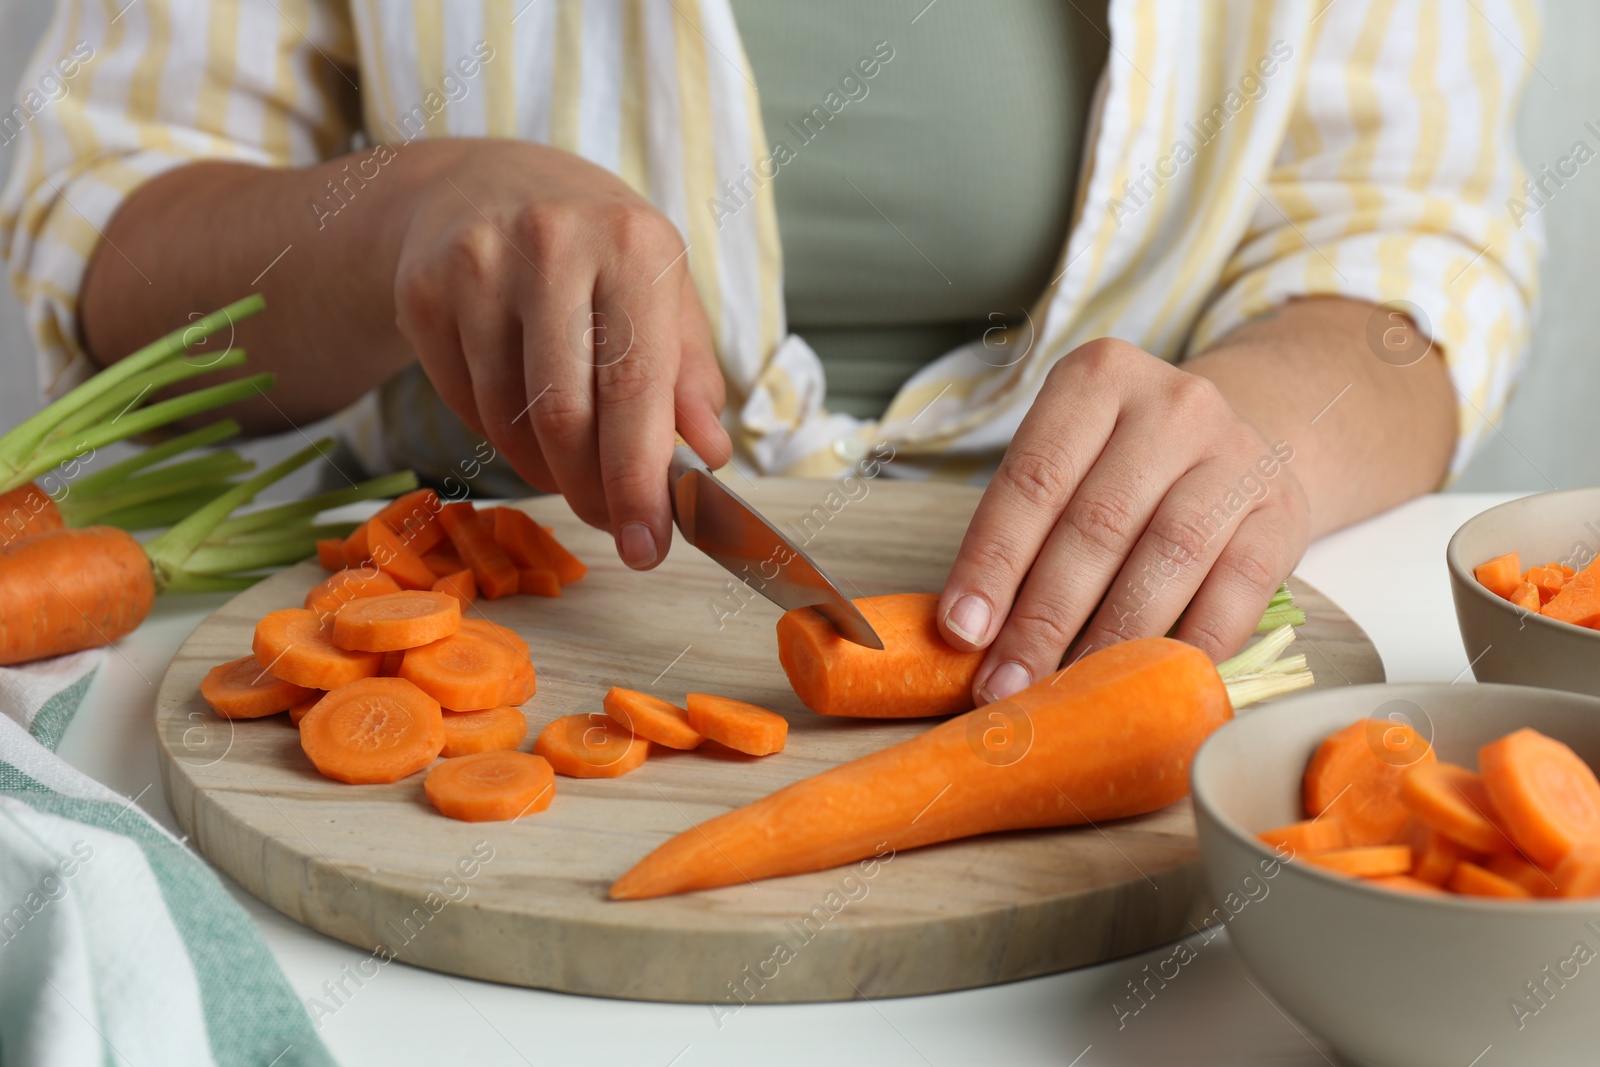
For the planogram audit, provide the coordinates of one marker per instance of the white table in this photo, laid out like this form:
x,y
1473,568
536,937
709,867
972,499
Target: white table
x,y
1388,574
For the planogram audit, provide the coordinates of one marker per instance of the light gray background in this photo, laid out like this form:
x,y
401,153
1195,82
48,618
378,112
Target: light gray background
x,y
1544,440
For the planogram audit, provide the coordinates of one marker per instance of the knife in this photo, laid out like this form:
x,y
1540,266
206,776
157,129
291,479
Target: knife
x,y
717,521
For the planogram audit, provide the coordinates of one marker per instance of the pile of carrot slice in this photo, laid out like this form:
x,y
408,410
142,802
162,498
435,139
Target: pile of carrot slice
x,y
1553,590
1381,807
610,745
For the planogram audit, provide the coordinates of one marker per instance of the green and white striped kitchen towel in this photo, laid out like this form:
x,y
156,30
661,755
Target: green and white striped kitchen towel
x,y
117,944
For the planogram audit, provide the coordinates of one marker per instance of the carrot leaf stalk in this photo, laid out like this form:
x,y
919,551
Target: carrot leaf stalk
x,y
1281,611
1262,671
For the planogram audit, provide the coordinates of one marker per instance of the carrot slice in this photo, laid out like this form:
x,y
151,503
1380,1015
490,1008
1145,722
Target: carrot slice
x,y
1434,856
1516,869
1547,798
1357,773
390,553
463,672
444,560
1578,873
651,718
398,620
491,730
490,786
373,731
1453,801
495,573
243,689
330,553
341,587
298,712
414,516
524,683
742,727
459,585
355,546
590,746
1309,835
1548,580
531,582
297,645
505,635
1472,880
534,547
1578,601
1526,597
1500,575
1404,883
1373,861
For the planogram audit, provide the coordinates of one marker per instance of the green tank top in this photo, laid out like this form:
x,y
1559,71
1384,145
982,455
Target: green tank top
x,y
926,179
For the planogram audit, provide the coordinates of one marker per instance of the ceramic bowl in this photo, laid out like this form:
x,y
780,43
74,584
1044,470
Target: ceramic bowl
x,y
1392,979
1504,642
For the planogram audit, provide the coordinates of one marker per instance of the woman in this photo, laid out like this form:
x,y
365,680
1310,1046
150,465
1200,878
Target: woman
x,y
1002,228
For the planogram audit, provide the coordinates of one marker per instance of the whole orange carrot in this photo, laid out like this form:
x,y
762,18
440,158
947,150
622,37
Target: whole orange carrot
x,y
68,590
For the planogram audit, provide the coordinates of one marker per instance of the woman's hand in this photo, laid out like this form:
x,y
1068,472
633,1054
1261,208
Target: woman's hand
x,y
1132,493
552,308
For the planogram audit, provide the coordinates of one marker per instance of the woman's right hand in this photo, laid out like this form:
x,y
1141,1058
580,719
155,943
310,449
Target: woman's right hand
x,y
553,310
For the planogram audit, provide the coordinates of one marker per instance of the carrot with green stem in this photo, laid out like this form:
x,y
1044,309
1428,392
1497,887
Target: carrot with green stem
x,y
1109,737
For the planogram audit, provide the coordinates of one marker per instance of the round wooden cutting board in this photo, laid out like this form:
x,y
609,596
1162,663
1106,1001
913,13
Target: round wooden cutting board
x,y
525,902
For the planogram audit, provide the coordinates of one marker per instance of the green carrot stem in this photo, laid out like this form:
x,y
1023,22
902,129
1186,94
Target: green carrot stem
x,y
1258,655
139,422
383,486
120,402
91,484
1258,687
220,560
205,583
301,531
1280,616
170,552
182,477
19,445
163,512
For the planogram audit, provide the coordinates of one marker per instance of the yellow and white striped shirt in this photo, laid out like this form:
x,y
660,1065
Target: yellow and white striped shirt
x,y
1241,153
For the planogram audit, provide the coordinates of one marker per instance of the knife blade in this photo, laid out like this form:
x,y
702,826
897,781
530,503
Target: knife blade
x,y
720,523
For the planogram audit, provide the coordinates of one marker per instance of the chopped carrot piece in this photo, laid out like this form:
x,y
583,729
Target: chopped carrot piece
x,y
490,730
330,553
568,568
1435,856
524,683
742,727
1526,597
1566,571
1500,575
459,585
503,634
1578,873
298,712
524,541
1309,835
463,672
1578,600
651,718
490,786
243,689
495,573
1404,883
444,560
1372,861
532,582
1548,580
1514,868
297,645
373,731
341,587
590,746
397,620
1547,798
415,518
1472,880
1357,771
1454,801
396,560
355,546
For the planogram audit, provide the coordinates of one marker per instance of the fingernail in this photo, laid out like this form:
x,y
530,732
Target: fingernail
x,y
969,619
637,544
1008,678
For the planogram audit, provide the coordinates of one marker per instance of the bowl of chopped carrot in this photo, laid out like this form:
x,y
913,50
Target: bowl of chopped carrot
x,y
1414,870
1525,577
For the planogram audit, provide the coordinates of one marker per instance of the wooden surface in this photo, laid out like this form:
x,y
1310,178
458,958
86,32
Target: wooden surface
x,y
525,902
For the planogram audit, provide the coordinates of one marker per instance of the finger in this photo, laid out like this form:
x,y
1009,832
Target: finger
x,y
558,337
1057,443
700,393
1231,600
1192,528
633,395
1098,529
425,316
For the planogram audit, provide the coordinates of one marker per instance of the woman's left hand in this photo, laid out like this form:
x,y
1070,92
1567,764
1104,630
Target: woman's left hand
x,y
1131,494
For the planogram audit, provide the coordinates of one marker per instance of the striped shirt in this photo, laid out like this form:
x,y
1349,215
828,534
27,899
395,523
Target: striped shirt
x,y
1241,153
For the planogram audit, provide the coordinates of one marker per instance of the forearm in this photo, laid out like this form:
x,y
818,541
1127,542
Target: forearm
x,y
1366,434
197,237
